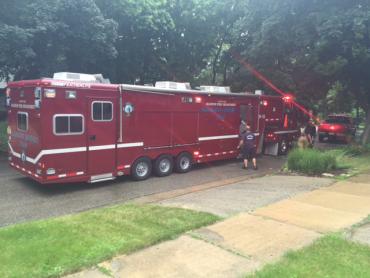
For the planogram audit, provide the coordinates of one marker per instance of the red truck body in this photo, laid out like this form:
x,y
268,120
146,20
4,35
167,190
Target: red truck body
x,y
71,131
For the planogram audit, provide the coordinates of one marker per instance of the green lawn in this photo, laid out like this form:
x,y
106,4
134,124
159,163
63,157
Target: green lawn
x,y
350,160
330,256
3,136
66,244
352,164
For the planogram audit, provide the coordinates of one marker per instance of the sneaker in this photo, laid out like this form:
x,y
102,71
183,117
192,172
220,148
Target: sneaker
x,y
255,168
243,167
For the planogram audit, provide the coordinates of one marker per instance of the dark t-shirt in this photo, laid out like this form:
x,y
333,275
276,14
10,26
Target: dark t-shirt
x,y
249,140
310,129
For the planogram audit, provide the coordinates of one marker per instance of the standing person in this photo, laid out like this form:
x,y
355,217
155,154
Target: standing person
x,y
310,131
248,147
242,128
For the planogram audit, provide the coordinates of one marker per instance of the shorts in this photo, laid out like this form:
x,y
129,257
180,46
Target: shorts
x,y
249,153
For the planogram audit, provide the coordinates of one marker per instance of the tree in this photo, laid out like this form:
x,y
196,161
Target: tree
x,y
308,47
37,38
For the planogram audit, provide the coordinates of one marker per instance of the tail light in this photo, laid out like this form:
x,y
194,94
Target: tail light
x,y
198,100
270,135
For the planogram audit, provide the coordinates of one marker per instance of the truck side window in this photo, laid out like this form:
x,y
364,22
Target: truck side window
x,y
22,121
102,111
68,124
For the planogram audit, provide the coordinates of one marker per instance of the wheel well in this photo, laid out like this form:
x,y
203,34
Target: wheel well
x,y
185,152
142,157
162,154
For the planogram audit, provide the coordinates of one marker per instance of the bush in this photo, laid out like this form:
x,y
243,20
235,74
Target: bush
x,y
357,149
311,162
3,136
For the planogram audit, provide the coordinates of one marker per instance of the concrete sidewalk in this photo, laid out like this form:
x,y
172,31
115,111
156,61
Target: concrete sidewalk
x,y
267,217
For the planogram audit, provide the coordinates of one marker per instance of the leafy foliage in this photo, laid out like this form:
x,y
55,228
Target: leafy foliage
x,y
3,136
39,39
357,150
317,49
311,161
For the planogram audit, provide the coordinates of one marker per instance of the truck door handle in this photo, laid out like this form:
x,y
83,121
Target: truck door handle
x,y
92,137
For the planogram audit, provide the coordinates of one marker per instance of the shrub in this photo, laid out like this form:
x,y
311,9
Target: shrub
x,y
3,136
311,162
357,149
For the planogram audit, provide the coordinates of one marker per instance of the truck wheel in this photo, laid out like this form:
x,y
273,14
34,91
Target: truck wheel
x,y
141,169
283,147
183,163
163,165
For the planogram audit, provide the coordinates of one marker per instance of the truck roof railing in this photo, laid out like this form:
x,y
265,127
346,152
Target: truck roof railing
x,y
72,76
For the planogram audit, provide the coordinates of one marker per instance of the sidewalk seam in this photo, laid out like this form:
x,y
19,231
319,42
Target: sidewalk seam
x,y
285,222
231,251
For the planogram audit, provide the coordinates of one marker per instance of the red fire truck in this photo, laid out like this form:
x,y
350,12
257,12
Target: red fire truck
x,y
75,128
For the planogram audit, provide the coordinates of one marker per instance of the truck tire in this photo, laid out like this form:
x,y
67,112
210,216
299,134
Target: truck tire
x,y
283,147
141,169
183,163
163,165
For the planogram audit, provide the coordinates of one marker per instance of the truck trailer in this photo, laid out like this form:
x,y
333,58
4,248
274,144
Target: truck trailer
x,y
77,128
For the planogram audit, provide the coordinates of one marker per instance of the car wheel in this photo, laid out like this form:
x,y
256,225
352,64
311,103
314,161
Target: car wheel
x,y
141,169
163,165
184,162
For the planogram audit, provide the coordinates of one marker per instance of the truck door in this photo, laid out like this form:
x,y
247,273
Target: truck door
x,y
247,114
101,137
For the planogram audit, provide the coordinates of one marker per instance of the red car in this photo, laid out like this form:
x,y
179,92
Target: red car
x,y
337,127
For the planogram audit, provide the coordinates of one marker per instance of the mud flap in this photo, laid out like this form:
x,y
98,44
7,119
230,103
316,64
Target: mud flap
x,y
260,144
272,149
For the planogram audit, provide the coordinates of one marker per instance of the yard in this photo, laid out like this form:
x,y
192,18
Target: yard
x,y
330,256
54,247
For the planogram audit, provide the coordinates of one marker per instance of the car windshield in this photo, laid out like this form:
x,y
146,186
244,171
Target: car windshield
x,y
338,120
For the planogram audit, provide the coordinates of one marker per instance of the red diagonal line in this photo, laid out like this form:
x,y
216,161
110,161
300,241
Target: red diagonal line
x,y
261,77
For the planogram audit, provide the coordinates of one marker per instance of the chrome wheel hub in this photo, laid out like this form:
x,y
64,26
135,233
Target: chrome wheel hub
x,y
184,163
164,165
142,169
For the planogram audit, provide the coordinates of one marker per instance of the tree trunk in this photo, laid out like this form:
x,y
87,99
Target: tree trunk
x,y
225,72
215,62
366,134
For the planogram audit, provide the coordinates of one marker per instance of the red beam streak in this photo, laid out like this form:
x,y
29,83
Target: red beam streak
x,y
261,77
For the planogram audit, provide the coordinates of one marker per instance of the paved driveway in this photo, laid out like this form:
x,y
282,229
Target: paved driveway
x,y
22,199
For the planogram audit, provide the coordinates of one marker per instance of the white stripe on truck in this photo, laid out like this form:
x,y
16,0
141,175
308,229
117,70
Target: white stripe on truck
x,y
218,137
73,150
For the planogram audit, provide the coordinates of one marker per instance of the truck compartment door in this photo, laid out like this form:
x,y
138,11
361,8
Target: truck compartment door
x,y
101,137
